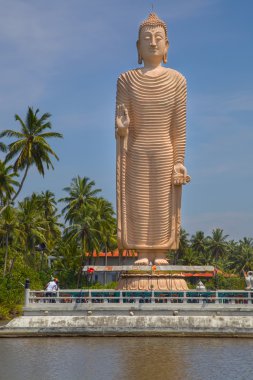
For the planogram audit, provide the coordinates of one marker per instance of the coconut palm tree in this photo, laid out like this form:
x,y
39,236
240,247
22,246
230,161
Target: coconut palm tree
x,y
9,227
81,192
190,257
199,244
31,147
7,182
217,244
242,255
183,244
3,147
105,223
84,231
32,222
198,241
47,203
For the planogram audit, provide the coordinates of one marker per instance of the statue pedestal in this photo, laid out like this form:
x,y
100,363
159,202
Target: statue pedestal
x,y
156,277
160,281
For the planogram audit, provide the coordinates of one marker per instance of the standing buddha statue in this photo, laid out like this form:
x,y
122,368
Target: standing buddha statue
x,y
151,136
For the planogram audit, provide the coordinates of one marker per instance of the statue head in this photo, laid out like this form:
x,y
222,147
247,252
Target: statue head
x,y
153,39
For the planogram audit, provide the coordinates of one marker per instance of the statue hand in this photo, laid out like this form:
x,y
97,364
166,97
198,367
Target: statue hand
x,y
180,176
122,120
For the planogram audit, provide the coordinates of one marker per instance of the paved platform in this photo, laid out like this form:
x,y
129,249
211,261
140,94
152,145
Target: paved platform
x,y
145,268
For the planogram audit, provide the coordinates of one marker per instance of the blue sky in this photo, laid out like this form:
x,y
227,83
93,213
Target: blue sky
x,y
64,57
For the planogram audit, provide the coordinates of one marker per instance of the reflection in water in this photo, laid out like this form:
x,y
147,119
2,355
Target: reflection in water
x,y
125,358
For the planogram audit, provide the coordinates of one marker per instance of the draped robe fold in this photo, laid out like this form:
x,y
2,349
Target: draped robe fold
x,y
148,204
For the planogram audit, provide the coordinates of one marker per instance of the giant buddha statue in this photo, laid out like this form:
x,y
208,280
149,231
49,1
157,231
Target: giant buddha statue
x,y
150,134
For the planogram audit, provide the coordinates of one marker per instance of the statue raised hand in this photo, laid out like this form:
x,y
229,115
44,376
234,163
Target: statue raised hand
x,y
122,121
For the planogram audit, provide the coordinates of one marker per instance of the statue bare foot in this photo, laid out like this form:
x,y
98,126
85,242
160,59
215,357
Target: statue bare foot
x,y
142,262
161,262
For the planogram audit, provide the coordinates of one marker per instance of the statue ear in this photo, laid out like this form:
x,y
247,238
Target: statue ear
x,y
139,54
165,56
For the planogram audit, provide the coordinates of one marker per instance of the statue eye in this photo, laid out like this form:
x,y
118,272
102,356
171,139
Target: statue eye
x,y
147,37
159,38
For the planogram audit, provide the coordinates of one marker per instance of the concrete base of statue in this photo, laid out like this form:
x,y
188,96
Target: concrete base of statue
x,y
149,282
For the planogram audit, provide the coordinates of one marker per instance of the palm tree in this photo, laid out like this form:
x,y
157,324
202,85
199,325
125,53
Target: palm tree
x,y
7,183
217,244
9,227
242,255
47,202
199,245
31,146
32,222
3,147
81,192
84,232
190,257
45,206
183,244
198,241
105,223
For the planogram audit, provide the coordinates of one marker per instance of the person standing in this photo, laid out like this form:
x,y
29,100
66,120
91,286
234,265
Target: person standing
x,y
51,289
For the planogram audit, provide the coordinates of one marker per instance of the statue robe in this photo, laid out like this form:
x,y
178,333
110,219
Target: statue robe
x,y
148,204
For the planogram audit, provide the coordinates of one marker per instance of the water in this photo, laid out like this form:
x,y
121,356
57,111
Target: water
x,y
126,358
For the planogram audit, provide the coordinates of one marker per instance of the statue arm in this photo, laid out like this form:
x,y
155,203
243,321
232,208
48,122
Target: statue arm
x,y
179,125
122,120
179,133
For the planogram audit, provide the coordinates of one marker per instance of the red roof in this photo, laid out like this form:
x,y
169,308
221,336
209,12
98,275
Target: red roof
x,y
203,274
115,253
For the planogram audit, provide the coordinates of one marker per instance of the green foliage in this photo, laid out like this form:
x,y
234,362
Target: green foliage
x,y
98,285
12,288
226,283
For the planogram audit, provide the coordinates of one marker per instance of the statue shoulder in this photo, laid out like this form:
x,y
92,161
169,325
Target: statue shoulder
x,y
125,76
177,75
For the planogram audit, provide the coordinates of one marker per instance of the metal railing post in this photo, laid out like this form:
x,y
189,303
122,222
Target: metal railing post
x,y
27,291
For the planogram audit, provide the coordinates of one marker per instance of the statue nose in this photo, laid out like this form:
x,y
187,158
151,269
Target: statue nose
x,y
153,42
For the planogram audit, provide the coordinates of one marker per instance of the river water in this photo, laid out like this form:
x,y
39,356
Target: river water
x,y
126,358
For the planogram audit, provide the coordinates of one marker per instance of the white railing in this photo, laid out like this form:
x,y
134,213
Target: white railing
x,y
191,297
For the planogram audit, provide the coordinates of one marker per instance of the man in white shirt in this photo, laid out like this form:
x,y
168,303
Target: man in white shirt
x,y
51,288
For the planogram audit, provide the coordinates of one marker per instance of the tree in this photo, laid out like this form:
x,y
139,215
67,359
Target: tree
x,y
217,244
84,232
199,244
9,229
183,244
3,147
190,257
81,192
242,255
7,183
47,203
31,146
105,223
32,222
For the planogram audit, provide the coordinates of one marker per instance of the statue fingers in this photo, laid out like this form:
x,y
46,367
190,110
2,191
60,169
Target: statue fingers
x,y
119,110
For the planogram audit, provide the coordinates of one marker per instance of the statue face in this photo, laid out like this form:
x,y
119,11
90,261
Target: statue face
x,y
152,44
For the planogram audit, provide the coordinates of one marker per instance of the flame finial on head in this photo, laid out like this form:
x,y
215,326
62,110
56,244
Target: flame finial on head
x,y
153,20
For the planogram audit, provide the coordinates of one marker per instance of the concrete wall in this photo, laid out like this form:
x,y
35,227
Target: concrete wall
x,y
131,325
